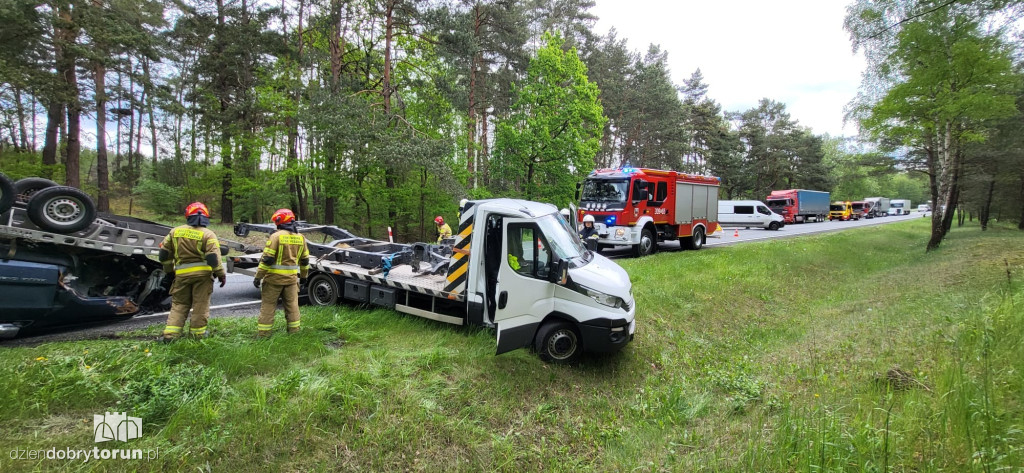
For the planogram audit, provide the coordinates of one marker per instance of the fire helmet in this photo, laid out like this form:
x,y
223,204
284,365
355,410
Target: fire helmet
x,y
588,218
282,216
197,208
439,220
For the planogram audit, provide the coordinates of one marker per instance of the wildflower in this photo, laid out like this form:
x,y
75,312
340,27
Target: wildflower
x,y
817,395
147,350
87,352
41,358
148,354
88,367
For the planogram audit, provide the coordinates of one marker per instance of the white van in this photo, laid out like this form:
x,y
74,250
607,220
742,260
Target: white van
x,y
748,213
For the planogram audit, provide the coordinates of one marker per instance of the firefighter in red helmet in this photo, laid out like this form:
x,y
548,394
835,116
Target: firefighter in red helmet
x,y
443,230
191,257
283,267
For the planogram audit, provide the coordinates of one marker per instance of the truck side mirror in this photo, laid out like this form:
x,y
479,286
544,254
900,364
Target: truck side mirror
x,y
579,185
559,273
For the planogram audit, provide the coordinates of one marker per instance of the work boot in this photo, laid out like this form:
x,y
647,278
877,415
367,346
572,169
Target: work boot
x,y
166,339
263,334
293,329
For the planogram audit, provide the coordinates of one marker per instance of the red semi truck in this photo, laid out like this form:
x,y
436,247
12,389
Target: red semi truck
x,y
641,207
799,205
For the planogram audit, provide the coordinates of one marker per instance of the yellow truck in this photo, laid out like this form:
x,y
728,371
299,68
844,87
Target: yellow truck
x,y
842,211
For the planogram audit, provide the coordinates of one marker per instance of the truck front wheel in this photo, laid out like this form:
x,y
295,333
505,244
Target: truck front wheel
x,y
648,244
322,290
558,342
774,226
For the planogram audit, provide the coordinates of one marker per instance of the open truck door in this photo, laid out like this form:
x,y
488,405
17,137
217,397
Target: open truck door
x,y
526,267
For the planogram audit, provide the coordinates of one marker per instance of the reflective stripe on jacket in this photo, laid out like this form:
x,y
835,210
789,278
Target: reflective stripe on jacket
x,y
187,249
285,257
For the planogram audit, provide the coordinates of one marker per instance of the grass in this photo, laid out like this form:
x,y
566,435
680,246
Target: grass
x,y
851,351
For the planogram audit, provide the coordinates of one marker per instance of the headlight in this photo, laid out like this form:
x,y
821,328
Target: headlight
x,y
619,232
601,298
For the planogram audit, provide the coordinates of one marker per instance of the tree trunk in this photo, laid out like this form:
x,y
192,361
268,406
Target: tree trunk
x,y
986,208
149,105
53,113
67,70
1020,223
102,174
22,129
227,211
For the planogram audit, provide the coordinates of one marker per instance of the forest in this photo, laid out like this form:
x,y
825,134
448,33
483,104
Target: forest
x,y
377,113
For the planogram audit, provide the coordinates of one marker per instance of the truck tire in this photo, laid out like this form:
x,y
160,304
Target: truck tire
x,y
774,226
694,241
28,186
648,243
61,209
6,194
558,342
322,290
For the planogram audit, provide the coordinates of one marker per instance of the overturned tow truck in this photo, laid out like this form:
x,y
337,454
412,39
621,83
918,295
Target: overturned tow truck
x,y
513,265
62,264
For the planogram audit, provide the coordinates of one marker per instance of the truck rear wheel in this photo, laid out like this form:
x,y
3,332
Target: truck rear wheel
x,y
61,209
6,194
322,290
27,187
693,242
648,243
558,342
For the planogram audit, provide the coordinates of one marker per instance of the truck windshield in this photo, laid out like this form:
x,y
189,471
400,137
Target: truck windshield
x,y
837,208
605,190
897,205
564,242
775,203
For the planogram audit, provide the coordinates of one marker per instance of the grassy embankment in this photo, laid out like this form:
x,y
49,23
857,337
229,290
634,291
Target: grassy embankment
x,y
851,351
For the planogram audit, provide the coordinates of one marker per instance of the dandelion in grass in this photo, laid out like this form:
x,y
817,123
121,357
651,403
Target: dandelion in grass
x,y
41,358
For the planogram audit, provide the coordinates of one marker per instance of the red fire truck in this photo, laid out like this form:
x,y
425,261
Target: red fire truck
x,y
641,207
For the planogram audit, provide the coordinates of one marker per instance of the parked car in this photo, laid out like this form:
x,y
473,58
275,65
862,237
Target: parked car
x,y
748,213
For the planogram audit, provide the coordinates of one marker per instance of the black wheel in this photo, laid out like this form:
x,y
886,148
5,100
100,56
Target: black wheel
x,y
697,239
558,342
61,209
774,226
322,290
648,243
6,194
27,187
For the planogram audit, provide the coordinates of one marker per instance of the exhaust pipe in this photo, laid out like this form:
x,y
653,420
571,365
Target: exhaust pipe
x,y
8,331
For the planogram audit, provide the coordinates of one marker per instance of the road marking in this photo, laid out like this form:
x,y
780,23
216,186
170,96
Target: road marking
x,y
224,306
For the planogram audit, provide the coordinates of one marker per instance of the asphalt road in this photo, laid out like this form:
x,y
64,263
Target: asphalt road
x,y
238,298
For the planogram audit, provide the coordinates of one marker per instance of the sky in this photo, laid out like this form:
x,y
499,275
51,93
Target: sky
x,y
791,51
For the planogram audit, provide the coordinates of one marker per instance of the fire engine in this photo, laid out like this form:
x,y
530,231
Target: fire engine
x,y
641,207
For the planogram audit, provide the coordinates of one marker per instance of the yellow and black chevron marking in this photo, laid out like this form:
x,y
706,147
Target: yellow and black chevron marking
x,y
460,254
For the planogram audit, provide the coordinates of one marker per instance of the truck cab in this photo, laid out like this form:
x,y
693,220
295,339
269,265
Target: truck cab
x,y
842,211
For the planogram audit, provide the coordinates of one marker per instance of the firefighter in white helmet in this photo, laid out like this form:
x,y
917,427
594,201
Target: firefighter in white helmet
x,y
588,231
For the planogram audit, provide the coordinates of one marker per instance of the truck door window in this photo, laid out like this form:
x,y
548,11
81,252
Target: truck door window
x,y
528,253
659,194
638,185
763,210
745,209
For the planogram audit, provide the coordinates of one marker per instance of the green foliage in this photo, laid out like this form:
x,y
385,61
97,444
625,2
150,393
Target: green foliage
x,y
549,142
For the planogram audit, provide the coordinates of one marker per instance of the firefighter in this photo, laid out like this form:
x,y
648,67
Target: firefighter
x,y
588,231
283,268
443,230
191,257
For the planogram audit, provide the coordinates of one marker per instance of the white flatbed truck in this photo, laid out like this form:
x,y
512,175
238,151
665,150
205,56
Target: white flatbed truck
x,y
513,265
